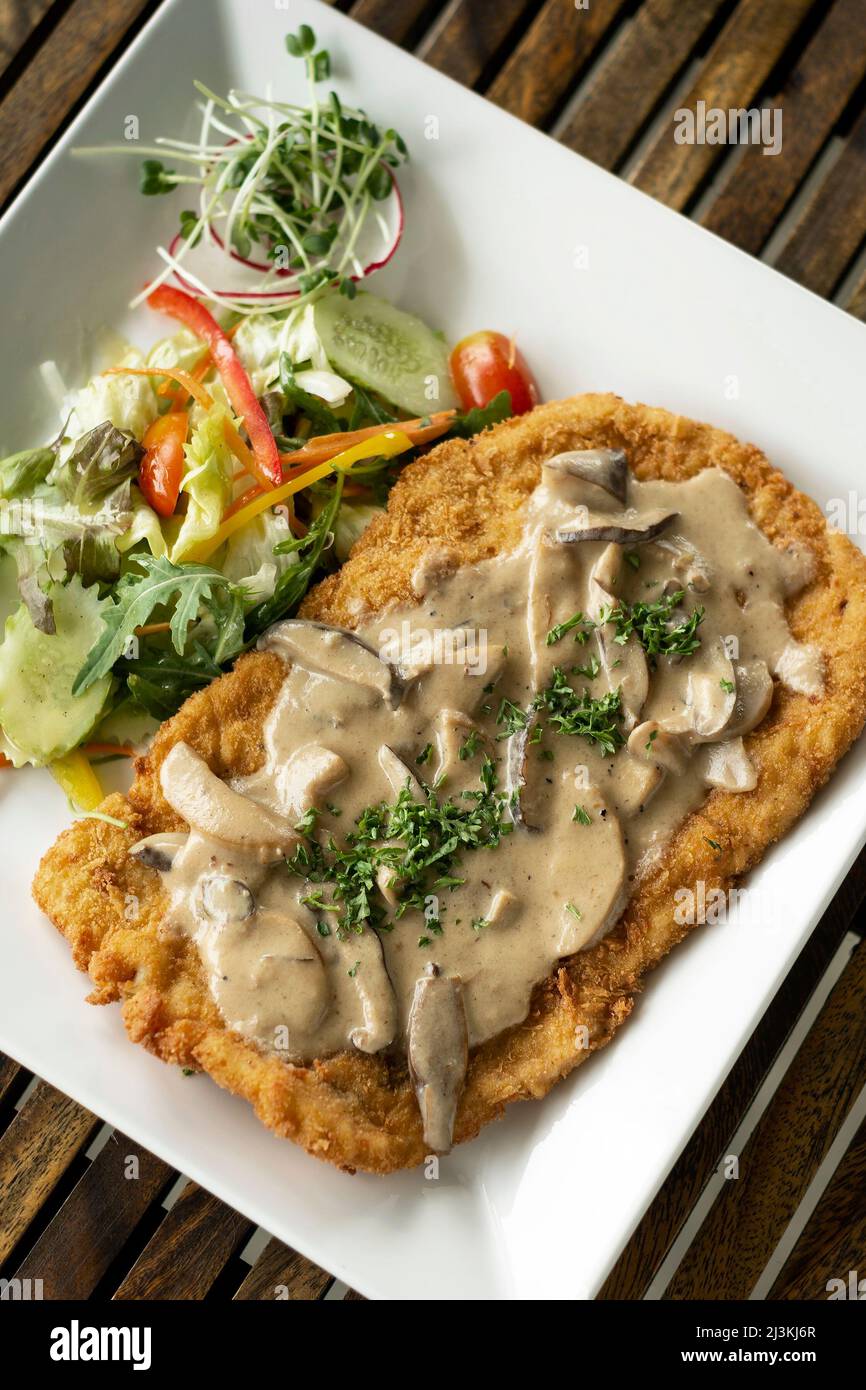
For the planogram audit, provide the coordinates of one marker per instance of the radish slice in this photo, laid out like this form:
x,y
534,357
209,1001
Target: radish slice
x,y
209,263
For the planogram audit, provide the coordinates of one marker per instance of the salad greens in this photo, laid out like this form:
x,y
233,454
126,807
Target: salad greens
x,y
144,560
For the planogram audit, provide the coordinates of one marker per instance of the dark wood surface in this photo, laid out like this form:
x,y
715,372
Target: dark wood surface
x,y
96,1216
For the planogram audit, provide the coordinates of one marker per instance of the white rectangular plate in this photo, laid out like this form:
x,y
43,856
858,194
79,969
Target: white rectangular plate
x,y
604,289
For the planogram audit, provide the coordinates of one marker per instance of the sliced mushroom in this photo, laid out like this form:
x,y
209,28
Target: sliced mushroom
x,y
375,993
451,730
654,744
389,881
222,898
214,810
711,692
398,774
624,663
800,666
624,528
555,577
266,976
636,784
338,653
687,563
438,1053
728,765
606,468
503,909
310,774
158,851
754,697
515,773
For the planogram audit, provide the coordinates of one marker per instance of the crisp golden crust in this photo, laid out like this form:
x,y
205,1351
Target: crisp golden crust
x,y
359,1111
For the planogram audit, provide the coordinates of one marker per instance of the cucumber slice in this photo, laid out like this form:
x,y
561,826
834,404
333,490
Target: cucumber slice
x,y
40,718
387,351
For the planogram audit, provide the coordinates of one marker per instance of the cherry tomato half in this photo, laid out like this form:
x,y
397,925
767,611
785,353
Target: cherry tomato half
x,y
161,470
486,363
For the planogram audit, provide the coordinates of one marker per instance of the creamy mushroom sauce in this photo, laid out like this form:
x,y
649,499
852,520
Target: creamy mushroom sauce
x,y
348,728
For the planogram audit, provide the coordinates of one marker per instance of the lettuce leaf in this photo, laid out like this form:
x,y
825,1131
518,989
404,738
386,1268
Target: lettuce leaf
x,y
207,482
249,557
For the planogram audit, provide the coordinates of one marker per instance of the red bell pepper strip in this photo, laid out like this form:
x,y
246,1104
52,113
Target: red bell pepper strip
x,y
193,314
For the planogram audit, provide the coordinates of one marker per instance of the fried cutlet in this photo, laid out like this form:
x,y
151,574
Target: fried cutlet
x,y
359,1111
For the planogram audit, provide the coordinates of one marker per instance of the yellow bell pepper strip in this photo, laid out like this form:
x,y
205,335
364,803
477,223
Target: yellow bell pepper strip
x,y
324,446
78,780
384,445
193,314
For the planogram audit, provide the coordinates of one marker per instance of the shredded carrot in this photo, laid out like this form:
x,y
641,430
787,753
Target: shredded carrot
x,y
323,447
192,387
149,628
4,761
103,750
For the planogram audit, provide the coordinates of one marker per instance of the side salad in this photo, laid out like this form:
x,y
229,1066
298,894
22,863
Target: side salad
x,y
194,492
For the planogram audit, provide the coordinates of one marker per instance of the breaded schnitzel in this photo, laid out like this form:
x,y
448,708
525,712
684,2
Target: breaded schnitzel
x,y
359,1110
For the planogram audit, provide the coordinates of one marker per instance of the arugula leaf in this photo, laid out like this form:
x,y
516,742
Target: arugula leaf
x,y
367,408
294,582
160,680
296,398
136,597
482,417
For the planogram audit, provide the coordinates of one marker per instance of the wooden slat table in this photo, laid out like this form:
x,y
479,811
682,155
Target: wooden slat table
x,y
605,80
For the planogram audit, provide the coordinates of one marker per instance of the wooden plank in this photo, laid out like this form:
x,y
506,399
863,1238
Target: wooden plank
x,y
13,1080
748,207
57,78
281,1273
830,232
856,300
550,57
352,1296
785,1150
732,75
467,35
192,1246
632,77
97,1218
833,1242
35,1151
18,19
656,1232
397,22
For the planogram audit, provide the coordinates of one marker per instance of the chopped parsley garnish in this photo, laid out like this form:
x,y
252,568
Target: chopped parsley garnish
x,y
651,624
479,923
575,911
512,716
632,558
418,842
582,816
727,686
424,755
353,972
577,620
469,746
307,824
589,671
593,719
714,844
648,746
